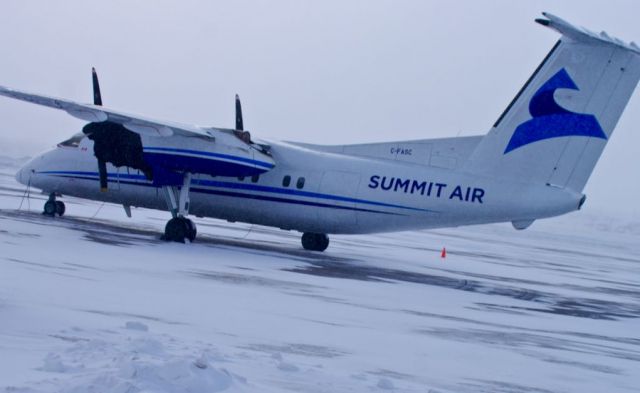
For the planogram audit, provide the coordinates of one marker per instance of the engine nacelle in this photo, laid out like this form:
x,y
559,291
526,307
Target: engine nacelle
x,y
165,159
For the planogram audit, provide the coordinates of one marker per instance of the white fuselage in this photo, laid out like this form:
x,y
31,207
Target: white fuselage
x,y
533,163
341,193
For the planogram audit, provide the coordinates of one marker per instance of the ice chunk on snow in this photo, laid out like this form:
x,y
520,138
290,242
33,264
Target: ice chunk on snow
x,y
282,365
135,365
277,356
133,325
148,346
288,367
385,384
179,375
53,363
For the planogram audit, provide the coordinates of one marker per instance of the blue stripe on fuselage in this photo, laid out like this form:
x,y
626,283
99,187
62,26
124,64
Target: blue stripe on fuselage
x,y
209,154
176,163
243,186
241,195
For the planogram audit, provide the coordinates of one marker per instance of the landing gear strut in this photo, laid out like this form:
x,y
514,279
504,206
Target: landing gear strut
x,y
315,241
53,207
179,227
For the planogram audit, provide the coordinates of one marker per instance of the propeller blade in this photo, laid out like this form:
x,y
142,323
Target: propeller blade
x,y
102,170
97,97
97,100
239,125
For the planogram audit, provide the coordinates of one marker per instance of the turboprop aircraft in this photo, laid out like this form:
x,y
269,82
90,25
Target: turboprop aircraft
x,y
533,163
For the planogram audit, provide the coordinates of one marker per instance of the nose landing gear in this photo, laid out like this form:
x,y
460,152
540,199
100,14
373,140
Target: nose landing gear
x,y
53,207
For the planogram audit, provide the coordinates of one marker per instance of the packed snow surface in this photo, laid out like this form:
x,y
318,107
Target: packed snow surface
x,y
96,302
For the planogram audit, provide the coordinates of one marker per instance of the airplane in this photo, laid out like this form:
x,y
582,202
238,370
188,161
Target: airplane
x,y
533,163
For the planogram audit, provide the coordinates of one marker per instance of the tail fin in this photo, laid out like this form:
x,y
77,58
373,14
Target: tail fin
x,y
557,126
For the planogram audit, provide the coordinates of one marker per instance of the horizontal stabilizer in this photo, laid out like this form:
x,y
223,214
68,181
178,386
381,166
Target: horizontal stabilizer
x,y
581,34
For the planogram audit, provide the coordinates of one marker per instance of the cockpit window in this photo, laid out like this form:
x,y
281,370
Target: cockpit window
x,y
74,141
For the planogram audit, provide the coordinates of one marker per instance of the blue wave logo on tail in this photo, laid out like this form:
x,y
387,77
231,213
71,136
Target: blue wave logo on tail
x,y
550,120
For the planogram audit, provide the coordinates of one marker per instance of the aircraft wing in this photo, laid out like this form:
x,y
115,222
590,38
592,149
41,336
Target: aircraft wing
x,y
95,113
168,159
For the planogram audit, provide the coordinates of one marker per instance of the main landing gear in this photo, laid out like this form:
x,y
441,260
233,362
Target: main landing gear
x,y
315,241
53,207
179,228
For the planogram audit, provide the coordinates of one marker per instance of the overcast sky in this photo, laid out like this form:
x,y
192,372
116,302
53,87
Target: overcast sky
x,y
331,72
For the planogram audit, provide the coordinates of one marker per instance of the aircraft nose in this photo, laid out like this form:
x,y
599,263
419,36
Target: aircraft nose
x,y
24,173
19,175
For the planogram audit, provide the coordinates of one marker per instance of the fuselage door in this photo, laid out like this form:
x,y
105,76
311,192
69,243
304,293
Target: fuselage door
x,y
340,190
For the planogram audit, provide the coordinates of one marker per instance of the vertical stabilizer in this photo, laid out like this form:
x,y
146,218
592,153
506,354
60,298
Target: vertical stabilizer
x,y
557,126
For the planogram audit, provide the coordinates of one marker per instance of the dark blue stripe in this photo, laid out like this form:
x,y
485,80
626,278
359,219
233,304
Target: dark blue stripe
x,y
242,195
85,173
206,153
287,191
286,200
177,163
256,187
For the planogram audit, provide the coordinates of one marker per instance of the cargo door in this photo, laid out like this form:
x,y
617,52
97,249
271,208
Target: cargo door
x,y
339,189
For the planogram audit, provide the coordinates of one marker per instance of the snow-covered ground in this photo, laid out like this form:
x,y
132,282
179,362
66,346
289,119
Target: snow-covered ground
x,y
95,302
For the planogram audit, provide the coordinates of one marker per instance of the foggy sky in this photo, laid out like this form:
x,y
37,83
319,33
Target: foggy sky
x,y
332,72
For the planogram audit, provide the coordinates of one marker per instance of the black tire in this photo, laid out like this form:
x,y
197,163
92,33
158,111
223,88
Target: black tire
x,y
323,242
176,230
315,241
192,231
49,208
60,208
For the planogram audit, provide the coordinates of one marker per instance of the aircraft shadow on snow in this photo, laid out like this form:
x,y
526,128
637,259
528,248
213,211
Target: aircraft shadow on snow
x,y
327,265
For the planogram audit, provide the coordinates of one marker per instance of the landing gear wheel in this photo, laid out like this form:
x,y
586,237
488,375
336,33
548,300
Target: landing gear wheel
x,y
49,208
178,229
192,231
175,230
60,208
315,241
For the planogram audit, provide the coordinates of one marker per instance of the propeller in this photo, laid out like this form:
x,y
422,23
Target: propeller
x,y
245,136
113,143
97,100
239,125
97,97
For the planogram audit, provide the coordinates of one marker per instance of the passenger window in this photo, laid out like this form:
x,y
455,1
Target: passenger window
x,y
255,178
241,178
300,183
286,181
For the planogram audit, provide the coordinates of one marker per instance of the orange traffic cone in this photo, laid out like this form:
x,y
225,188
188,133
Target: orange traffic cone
x,y
443,254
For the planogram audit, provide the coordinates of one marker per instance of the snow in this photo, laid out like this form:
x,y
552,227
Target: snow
x,y
96,302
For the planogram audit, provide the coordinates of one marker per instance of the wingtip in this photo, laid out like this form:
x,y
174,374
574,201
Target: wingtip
x,y
543,22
